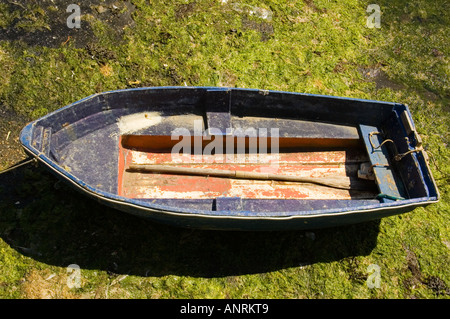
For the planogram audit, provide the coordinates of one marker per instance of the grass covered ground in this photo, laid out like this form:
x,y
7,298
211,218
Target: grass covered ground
x,y
313,46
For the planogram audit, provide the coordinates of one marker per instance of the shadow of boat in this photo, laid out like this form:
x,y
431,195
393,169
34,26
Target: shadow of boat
x,y
47,221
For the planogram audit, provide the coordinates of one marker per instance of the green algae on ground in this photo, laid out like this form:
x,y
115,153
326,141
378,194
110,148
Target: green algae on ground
x,y
313,46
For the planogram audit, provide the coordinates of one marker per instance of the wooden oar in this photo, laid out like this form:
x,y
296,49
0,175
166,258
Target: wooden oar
x,y
335,182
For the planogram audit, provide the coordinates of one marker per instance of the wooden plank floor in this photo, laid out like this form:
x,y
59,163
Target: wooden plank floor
x,y
301,163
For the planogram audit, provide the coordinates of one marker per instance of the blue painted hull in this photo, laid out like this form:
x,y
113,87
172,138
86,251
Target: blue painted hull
x,y
79,143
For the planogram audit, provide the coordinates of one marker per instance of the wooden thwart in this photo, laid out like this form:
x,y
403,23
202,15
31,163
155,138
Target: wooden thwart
x,y
166,143
334,182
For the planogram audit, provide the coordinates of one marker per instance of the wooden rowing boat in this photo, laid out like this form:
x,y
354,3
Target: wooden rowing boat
x,y
221,158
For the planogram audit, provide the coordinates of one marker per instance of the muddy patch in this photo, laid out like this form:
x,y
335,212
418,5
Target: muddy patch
x,y
381,79
312,6
377,75
264,28
417,278
183,11
45,23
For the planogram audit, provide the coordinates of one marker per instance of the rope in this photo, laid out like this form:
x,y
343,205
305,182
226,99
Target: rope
x,y
22,163
397,156
385,141
433,159
400,156
382,195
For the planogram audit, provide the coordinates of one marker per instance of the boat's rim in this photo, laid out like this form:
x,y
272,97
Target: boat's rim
x,y
262,91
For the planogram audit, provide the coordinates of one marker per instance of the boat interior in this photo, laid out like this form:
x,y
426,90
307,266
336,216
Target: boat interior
x,y
102,138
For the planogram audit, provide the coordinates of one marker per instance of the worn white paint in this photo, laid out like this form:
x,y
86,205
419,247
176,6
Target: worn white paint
x,y
138,121
141,158
157,192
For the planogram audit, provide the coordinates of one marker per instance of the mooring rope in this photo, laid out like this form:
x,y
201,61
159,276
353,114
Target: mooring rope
x,y
22,163
397,155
